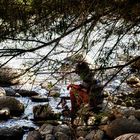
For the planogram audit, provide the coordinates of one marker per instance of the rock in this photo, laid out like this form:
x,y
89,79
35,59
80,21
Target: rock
x,y
39,99
81,131
126,111
46,129
137,114
9,76
132,117
44,112
130,136
133,82
62,136
12,133
50,137
16,107
91,120
95,135
64,129
11,92
90,136
121,126
136,64
81,138
136,104
26,93
2,92
136,93
47,121
59,132
63,132
4,113
34,135
104,120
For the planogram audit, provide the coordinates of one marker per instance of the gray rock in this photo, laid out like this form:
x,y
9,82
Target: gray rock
x,y
137,114
90,136
62,136
64,129
15,106
12,133
46,129
9,91
99,135
43,112
95,135
49,137
34,135
81,131
63,132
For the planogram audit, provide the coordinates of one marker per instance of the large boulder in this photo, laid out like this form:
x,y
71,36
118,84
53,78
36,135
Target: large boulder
x,y
12,133
9,76
121,126
15,106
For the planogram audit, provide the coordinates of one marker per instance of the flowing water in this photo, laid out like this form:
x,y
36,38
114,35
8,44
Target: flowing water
x,y
26,119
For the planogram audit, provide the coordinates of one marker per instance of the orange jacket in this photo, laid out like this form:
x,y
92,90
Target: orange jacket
x,y
78,96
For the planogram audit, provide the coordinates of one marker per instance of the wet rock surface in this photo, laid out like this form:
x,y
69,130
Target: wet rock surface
x,y
10,92
16,107
4,114
12,133
39,99
26,93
